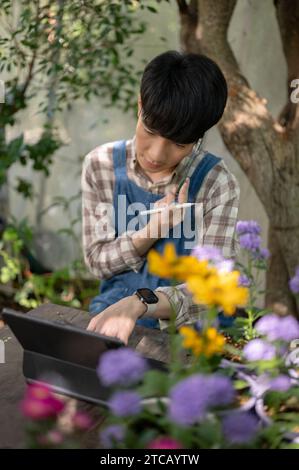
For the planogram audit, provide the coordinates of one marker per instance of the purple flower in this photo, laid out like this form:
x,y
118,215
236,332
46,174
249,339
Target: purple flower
x,y
258,350
188,400
248,226
211,253
220,390
214,255
249,238
112,435
250,241
263,383
259,385
240,427
191,398
122,366
126,403
262,254
225,266
244,281
294,282
281,383
278,328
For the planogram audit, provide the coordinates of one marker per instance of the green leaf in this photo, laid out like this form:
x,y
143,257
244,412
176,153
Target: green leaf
x,y
155,384
152,9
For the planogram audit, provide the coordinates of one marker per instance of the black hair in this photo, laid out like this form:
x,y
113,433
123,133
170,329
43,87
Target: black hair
x,y
183,95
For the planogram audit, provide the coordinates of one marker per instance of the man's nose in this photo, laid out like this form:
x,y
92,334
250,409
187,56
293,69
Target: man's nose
x,y
158,150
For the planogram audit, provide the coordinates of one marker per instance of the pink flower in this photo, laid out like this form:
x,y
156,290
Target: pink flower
x,y
53,437
40,403
164,442
82,421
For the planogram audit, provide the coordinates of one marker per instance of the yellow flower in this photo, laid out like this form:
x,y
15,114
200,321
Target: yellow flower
x,y
219,289
208,285
169,265
209,343
191,340
214,342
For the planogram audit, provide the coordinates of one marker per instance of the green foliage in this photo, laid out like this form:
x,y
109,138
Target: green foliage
x,y
65,286
12,264
72,50
40,153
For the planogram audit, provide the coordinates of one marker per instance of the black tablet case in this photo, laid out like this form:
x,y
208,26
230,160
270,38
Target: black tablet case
x,y
63,356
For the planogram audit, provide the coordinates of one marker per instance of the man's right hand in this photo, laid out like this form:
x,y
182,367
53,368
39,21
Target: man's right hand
x,y
161,222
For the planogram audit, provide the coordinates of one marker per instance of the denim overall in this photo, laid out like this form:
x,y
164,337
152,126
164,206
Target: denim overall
x,y
125,284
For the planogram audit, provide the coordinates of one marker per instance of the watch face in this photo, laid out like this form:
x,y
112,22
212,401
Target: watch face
x,y
148,295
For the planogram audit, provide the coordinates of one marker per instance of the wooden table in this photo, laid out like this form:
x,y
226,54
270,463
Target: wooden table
x,y
149,342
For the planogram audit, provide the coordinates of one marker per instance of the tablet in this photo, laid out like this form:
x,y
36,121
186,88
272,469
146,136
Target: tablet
x,y
62,355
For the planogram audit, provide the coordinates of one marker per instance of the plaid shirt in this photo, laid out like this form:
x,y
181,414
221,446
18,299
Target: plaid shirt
x,y
106,257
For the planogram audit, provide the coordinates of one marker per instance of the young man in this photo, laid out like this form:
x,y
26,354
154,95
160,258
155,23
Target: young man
x,y
181,97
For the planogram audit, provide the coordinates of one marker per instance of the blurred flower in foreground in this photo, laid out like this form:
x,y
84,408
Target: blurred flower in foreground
x,y
40,402
127,403
214,256
82,420
169,265
207,252
122,366
281,383
112,435
164,442
211,286
278,328
191,398
210,342
259,350
52,438
240,427
219,289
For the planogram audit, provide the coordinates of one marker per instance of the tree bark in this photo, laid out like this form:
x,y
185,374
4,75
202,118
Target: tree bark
x,y
287,12
189,21
276,277
266,151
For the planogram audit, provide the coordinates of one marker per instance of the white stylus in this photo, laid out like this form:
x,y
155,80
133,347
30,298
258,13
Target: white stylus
x,y
172,206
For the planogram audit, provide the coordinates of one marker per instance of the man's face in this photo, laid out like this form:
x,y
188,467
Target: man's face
x,y
154,153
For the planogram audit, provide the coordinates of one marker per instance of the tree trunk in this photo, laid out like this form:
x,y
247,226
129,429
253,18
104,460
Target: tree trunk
x,y
266,151
277,275
287,12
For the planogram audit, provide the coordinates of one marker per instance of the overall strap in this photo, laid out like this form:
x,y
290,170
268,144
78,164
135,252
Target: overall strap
x,y
119,158
199,174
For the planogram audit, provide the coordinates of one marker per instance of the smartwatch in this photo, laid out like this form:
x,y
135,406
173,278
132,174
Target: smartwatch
x,y
148,298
